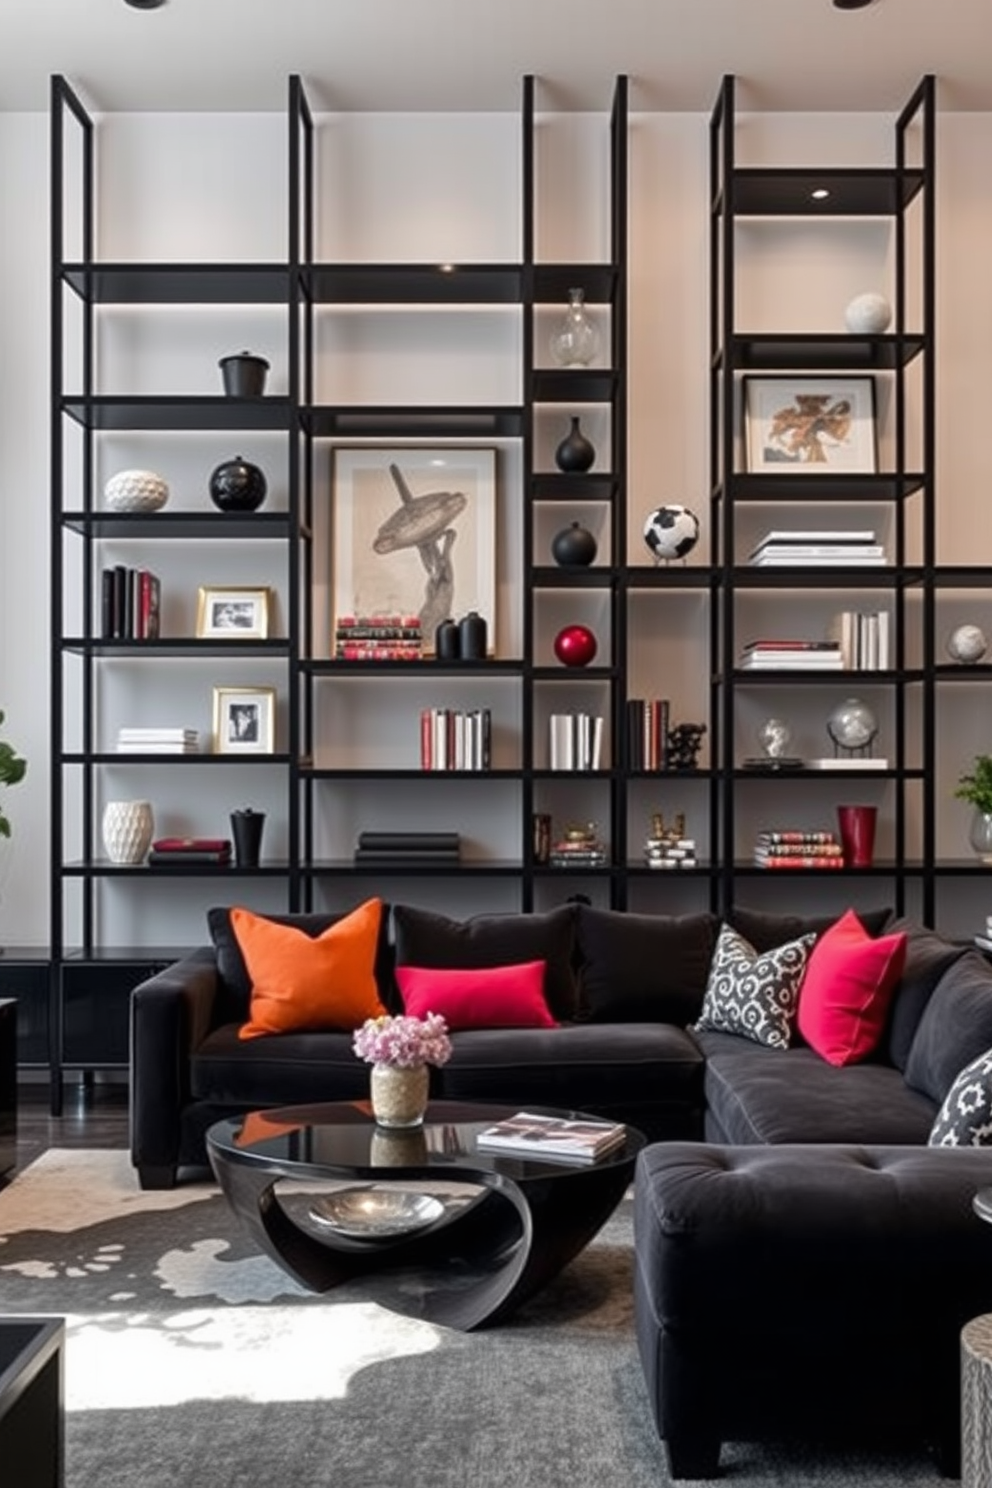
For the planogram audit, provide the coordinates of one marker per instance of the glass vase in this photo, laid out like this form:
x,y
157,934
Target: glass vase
x,y
399,1096
980,835
575,342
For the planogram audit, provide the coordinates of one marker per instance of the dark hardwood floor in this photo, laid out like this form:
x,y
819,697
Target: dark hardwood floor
x,y
92,1116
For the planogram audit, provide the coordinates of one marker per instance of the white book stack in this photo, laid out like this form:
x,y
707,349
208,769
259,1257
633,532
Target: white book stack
x,y
863,639
158,741
792,656
852,548
575,741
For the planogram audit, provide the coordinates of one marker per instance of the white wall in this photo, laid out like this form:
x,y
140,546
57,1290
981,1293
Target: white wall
x,y
429,187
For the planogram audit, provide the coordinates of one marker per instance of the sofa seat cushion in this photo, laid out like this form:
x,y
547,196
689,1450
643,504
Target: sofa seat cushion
x,y
757,1095
283,1069
601,1068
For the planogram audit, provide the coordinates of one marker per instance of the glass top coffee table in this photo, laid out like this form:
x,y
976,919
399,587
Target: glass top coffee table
x,y
452,1235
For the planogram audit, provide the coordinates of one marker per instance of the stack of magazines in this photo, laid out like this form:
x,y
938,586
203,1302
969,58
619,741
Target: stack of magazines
x,y
158,741
848,548
555,1138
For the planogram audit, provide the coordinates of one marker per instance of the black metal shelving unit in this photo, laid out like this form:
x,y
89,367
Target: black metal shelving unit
x,y
903,194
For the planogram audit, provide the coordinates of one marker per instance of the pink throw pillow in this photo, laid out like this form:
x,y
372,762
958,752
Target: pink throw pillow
x,y
845,995
486,997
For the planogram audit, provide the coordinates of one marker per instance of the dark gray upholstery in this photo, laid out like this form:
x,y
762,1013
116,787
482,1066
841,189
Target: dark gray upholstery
x,y
956,1026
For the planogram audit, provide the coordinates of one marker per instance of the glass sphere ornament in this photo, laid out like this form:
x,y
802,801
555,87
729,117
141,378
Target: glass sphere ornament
x,y
868,314
967,644
774,736
576,340
575,645
671,532
853,726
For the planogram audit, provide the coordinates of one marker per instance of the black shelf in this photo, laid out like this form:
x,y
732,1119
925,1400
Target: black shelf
x,y
813,486
180,526
456,422
761,191
826,353
160,758
428,665
344,867
546,485
103,868
179,284
413,284
343,772
175,646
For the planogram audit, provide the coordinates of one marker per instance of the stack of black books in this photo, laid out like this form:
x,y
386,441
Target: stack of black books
x,y
406,849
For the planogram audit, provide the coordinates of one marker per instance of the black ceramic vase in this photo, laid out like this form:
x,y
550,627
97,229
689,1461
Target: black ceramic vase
x,y
472,637
573,547
237,486
446,645
244,375
246,829
575,454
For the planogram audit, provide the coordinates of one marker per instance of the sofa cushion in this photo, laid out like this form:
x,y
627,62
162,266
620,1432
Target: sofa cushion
x,y
754,1095
301,981
638,968
487,997
234,983
424,938
928,955
956,1027
847,989
754,994
965,1118
765,930
278,1069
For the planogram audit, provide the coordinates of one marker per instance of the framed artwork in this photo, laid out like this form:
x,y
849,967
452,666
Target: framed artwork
x,y
815,424
228,613
413,534
244,720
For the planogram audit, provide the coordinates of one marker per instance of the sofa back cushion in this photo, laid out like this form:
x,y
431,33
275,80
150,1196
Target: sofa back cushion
x,y
423,938
234,982
928,956
639,968
765,930
956,1027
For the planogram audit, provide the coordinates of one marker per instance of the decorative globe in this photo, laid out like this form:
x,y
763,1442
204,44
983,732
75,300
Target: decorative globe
x,y
868,314
852,725
575,645
136,491
967,644
671,532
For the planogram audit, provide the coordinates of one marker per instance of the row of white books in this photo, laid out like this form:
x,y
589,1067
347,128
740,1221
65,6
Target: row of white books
x,y
854,548
575,741
158,741
451,739
864,639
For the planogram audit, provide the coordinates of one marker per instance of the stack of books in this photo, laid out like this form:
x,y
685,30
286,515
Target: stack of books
x,y
575,741
453,740
185,852
555,1138
792,656
671,852
378,638
798,849
648,721
130,604
158,741
408,849
579,848
863,639
853,548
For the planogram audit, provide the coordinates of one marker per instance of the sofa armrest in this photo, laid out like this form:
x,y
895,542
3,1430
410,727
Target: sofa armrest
x,y
171,1014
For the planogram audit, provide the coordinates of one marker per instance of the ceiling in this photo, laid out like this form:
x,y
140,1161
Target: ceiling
x,y
440,55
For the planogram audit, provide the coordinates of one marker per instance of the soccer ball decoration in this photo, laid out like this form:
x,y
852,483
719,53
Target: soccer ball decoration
x,y
671,532
575,646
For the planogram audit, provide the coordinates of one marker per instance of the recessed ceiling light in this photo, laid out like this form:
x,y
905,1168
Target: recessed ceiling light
x,y
852,4
145,4
820,194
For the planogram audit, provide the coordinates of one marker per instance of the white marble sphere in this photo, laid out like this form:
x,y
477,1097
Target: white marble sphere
x,y
967,644
868,314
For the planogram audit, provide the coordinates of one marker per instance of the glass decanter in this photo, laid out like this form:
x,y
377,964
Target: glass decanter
x,y
575,342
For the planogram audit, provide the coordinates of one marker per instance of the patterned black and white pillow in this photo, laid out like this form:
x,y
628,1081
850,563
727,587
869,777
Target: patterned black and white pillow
x,y
965,1118
754,995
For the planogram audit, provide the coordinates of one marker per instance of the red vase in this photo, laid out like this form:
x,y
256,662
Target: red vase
x,y
575,646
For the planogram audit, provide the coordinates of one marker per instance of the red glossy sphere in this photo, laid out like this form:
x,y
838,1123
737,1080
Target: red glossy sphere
x,y
575,645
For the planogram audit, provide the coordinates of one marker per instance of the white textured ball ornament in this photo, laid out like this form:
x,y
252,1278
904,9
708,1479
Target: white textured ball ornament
x,y
967,644
868,314
136,491
671,532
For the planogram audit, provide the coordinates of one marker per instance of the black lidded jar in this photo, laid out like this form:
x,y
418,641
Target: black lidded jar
x,y
472,637
237,486
446,641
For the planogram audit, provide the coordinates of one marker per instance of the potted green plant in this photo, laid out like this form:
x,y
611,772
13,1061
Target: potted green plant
x,y
976,786
12,769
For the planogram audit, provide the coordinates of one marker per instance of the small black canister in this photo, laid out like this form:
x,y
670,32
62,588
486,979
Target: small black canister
x,y
472,637
446,641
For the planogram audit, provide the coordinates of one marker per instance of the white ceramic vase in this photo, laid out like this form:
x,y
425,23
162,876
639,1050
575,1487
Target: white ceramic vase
x,y
127,830
136,491
399,1096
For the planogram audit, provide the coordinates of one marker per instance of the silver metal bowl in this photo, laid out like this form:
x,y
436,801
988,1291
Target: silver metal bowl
x,y
373,1213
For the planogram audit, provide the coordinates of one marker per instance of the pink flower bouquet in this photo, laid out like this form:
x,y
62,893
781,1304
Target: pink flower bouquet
x,y
404,1043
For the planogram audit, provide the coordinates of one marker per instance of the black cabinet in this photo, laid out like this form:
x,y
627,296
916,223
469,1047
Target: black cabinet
x,y
25,976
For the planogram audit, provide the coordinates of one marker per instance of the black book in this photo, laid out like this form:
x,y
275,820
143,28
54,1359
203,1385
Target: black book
x,y
170,859
108,610
406,857
120,602
420,841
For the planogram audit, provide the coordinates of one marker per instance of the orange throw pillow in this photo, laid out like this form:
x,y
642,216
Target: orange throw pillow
x,y
299,981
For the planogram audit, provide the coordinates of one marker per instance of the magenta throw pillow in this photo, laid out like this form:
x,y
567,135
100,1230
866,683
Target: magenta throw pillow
x,y
847,988
484,997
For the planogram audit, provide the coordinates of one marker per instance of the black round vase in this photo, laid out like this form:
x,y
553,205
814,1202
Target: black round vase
x,y
575,454
237,486
573,547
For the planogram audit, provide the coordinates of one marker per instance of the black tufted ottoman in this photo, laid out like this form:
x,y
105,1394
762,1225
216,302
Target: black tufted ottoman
x,y
807,1291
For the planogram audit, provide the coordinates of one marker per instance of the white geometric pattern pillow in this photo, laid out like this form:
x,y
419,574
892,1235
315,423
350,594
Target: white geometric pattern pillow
x,y
965,1118
751,995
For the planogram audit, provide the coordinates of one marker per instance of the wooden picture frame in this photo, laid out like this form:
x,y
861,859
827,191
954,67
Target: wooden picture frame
x,y
244,720
233,612
810,425
413,534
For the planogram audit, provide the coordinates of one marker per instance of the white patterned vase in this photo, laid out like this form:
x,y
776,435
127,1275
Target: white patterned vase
x,y
399,1096
136,491
127,830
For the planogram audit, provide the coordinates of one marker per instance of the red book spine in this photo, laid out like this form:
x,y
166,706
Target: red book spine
x,y
426,740
800,863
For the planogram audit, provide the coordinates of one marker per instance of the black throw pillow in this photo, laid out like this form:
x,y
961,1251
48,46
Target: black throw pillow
x,y
765,930
640,968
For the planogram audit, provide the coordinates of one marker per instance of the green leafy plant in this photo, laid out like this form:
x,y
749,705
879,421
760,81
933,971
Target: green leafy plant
x,y
12,769
976,786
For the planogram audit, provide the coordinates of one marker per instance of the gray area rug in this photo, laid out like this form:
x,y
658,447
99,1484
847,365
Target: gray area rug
x,y
191,1359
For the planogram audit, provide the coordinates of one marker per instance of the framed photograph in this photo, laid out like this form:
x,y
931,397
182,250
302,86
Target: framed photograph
x,y
815,424
227,613
413,534
244,720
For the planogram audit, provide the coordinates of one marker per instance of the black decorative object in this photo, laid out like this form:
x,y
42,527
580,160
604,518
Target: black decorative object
x,y
574,546
575,453
246,829
684,743
447,646
244,375
472,637
237,486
